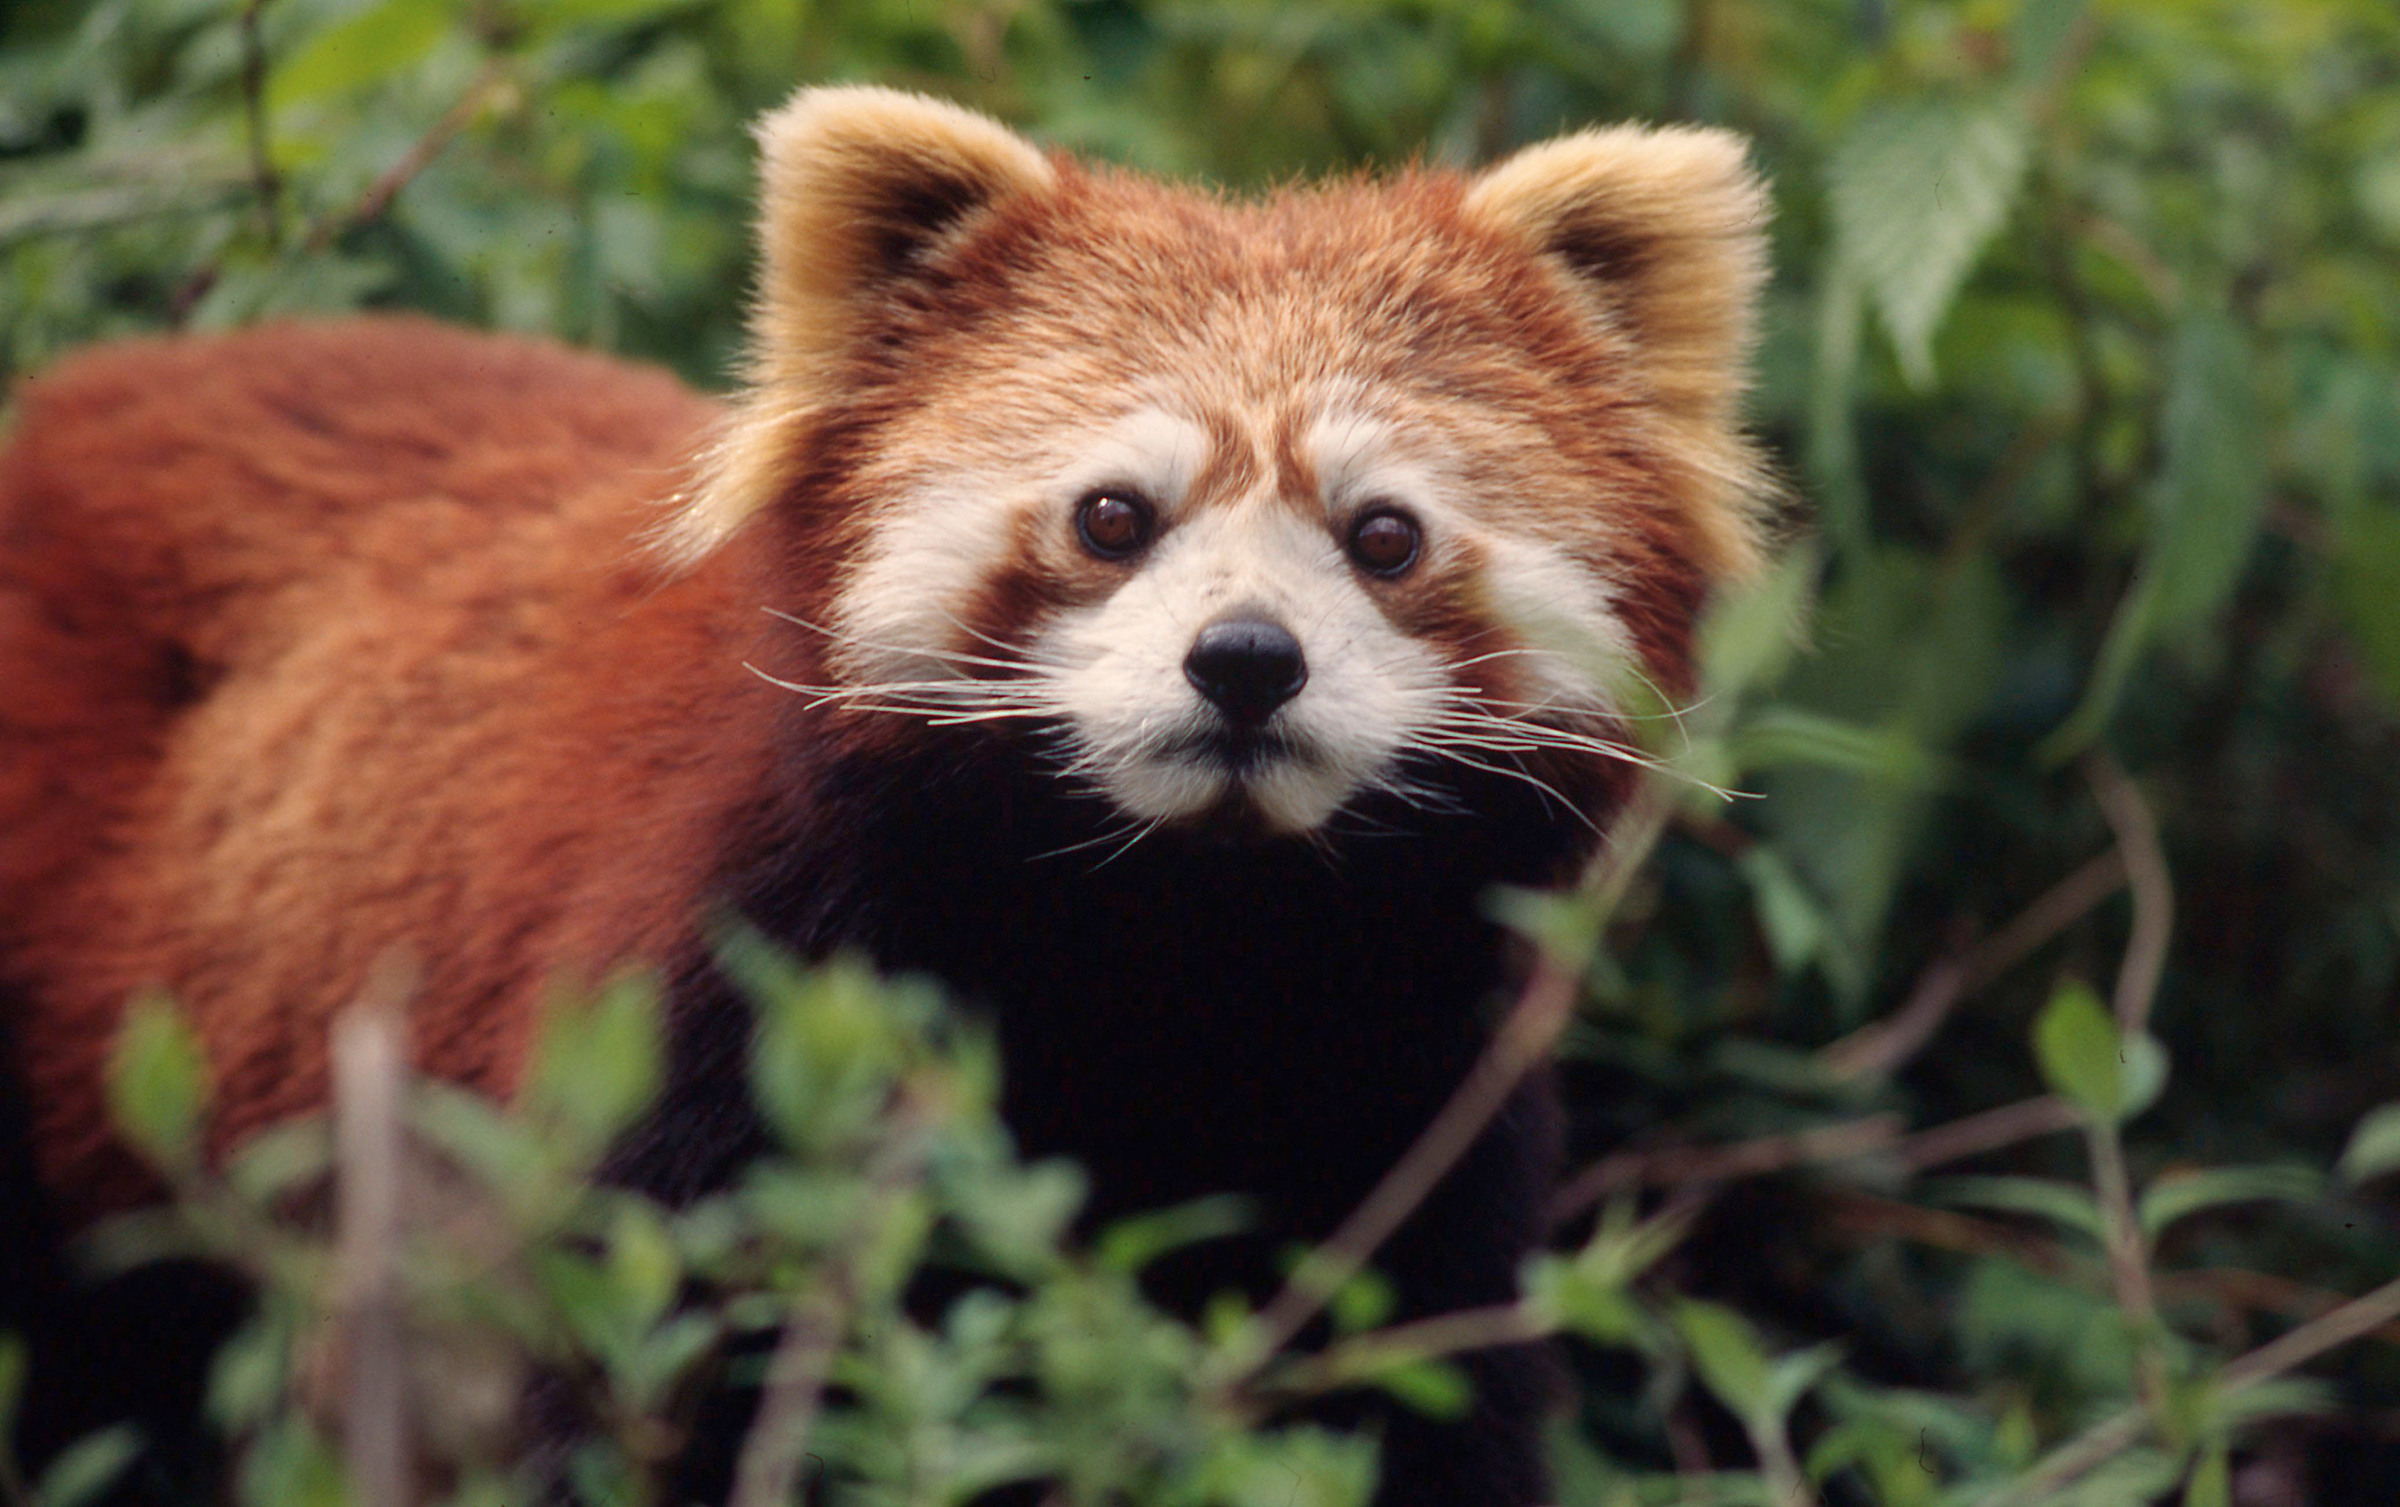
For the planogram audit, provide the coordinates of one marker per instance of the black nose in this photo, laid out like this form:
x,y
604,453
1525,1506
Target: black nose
x,y
1248,666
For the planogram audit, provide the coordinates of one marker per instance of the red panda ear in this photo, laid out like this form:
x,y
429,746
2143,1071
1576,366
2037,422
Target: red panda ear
x,y
856,185
1664,230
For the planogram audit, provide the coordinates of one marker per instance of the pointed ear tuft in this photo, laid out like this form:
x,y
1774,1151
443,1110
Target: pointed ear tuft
x,y
1664,230
858,185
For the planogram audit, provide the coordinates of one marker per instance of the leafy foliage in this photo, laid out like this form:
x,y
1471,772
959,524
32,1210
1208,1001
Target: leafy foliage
x,y
2084,349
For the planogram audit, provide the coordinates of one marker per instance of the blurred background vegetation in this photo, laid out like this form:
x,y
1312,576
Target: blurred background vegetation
x,y
2083,350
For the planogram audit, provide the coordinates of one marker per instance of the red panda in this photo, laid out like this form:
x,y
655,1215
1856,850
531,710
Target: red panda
x,y
1140,609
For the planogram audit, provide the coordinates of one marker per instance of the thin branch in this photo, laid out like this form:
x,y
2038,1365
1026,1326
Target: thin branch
x,y
489,85
2153,888
1988,1130
2128,1257
1677,1166
1521,1044
370,1089
1673,1165
2086,1452
1881,1048
768,1473
2262,1292
1863,1215
2362,1315
1361,1357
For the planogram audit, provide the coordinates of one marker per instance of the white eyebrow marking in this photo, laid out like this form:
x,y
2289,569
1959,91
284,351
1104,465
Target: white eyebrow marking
x,y
1157,452
1356,461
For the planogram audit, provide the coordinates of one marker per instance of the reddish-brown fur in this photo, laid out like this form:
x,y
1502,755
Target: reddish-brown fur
x,y
318,641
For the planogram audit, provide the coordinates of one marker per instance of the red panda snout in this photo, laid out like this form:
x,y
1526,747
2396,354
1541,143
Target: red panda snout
x,y
1246,665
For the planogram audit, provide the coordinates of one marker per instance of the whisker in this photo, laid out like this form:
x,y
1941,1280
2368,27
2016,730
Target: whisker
x,y
1527,777
925,651
1146,829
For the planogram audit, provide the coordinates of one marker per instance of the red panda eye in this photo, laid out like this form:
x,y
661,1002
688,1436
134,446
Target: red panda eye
x,y
1113,524
1385,542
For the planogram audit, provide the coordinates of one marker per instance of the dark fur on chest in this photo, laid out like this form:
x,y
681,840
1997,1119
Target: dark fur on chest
x,y
1188,1017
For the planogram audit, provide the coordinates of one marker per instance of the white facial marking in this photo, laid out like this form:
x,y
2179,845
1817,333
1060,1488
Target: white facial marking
x,y
899,618
1110,675
1149,739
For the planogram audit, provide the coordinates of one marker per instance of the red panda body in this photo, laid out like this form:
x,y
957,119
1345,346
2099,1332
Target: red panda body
x,y
1159,618
315,644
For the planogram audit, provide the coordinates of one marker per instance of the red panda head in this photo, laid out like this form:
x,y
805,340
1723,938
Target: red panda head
x,y
1250,509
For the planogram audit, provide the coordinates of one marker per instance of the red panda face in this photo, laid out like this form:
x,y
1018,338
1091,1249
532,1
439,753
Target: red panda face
x,y
1248,511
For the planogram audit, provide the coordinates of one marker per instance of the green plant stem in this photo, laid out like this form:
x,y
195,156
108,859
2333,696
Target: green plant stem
x,y
1523,1041
2361,1315
2128,1259
1778,1464
2153,887
767,1473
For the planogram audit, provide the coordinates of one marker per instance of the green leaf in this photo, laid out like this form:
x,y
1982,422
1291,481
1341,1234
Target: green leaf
x,y
502,1153
365,50
158,1086
580,1290
2204,508
643,1266
1918,189
1361,1303
2063,1204
2374,1147
88,1467
665,1358
597,1067
1731,1361
1780,735
553,18
2145,1063
1791,1376
1018,1215
2211,1484
280,1161
247,1378
2088,1063
1128,1245
1565,926
2212,487
1748,637
1569,1298
2039,36
1436,1388
603,1477
2172,1198
825,1054
1789,914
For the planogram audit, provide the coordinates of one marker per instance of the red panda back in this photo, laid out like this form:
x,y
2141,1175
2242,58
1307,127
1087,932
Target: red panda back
x,y
308,639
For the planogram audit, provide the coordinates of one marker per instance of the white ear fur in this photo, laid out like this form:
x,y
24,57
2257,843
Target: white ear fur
x,y
1664,229
856,184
